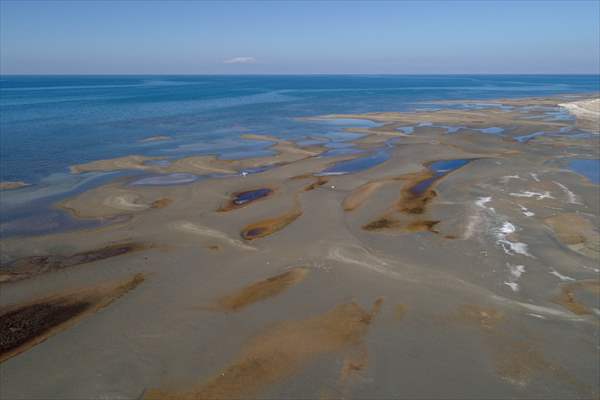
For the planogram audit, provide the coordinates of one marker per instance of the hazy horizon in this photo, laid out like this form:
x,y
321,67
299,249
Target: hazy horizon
x,y
299,38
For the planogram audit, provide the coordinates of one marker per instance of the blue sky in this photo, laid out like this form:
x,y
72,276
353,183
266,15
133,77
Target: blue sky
x,y
231,37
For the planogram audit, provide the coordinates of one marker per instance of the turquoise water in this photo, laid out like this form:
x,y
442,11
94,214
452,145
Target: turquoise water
x,y
48,123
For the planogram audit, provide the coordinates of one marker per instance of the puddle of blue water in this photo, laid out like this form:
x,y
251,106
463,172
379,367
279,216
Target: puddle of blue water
x,y
166,180
251,195
407,129
357,164
439,169
311,142
363,163
351,122
483,106
493,130
158,163
452,129
590,168
527,138
558,116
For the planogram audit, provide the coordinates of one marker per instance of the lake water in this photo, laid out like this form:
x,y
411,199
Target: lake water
x,y
48,123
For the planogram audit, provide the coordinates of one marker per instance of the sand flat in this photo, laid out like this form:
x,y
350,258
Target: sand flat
x,y
484,268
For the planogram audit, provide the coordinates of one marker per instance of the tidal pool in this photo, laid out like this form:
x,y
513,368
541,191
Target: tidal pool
x,y
590,168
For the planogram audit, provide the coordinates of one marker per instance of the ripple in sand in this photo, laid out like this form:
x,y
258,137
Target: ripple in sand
x,y
280,352
261,290
26,325
27,267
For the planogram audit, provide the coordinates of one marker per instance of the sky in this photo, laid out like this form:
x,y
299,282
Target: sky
x,y
302,37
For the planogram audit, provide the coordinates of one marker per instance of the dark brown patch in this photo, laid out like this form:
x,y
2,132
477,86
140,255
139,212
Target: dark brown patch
x,y
214,247
415,196
415,201
321,180
381,223
161,203
25,323
303,176
30,266
422,226
24,326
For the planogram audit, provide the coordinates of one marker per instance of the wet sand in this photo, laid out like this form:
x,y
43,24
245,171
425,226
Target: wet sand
x,y
467,257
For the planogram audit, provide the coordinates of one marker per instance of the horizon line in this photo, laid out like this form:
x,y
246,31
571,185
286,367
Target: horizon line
x,y
306,74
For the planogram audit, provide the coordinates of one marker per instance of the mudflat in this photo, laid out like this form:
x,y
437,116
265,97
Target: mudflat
x,y
462,260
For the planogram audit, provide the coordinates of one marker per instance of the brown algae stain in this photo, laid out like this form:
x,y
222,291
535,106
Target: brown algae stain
x,y
399,311
34,265
407,214
484,318
161,203
360,195
320,181
567,297
262,290
278,353
271,225
26,325
381,223
414,197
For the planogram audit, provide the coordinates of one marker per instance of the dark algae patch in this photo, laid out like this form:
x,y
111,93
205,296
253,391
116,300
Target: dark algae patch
x,y
27,267
26,323
268,226
321,180
408,213
23,326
